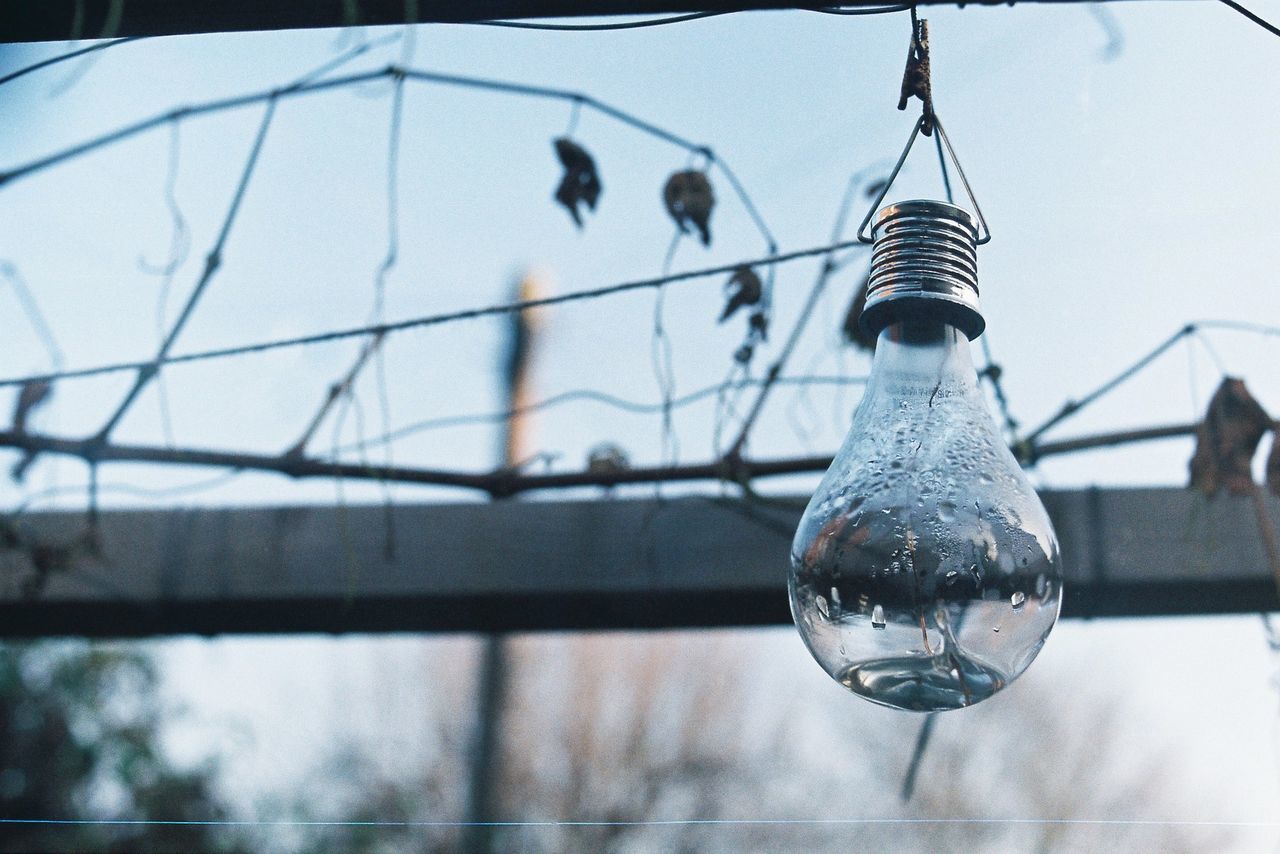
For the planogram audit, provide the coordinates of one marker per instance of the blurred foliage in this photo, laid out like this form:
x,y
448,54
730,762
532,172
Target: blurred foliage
x,y
80,739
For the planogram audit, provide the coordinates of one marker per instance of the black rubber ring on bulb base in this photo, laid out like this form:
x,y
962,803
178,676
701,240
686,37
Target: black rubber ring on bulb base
x,y
876,316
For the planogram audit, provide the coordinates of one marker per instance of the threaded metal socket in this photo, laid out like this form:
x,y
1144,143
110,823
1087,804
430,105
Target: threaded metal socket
x,y
924,266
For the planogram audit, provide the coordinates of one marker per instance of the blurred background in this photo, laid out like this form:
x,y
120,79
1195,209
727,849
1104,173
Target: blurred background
x,y
1127,170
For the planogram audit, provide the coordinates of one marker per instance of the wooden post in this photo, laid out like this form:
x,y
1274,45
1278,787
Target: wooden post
x,y
515,449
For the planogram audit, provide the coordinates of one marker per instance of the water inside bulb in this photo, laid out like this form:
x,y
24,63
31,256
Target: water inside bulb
x,y
930,532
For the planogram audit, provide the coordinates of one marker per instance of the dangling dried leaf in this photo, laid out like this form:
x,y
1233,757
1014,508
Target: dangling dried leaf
x,y
852,328
581,183
757,332
744,288
1273,462
689,200
1227,440
31,397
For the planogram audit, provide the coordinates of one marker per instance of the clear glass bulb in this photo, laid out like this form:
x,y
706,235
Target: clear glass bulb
x,y
925,572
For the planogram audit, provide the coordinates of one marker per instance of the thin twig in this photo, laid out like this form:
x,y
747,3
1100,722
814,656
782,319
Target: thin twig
x,y
54,60
372,346
592,395
913,767
309,85
35,316
179,246
775,370
1071,407
212,262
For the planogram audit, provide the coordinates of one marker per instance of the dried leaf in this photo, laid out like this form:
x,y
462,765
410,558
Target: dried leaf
x,y
1227,440
689,200
581,182
852,327
31,397
744,288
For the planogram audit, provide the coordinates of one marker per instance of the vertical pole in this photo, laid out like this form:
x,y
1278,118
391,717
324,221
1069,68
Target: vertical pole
x,y
491,690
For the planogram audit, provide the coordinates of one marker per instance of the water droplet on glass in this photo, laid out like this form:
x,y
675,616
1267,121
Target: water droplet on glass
x,y
835,598
947,511
822,608
1017,600
877,617
995,629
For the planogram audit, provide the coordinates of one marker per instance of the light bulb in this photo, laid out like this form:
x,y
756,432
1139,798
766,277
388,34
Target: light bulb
x,y
925,573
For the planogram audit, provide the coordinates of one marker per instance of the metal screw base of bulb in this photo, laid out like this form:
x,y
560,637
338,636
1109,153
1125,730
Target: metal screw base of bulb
x,y
924,266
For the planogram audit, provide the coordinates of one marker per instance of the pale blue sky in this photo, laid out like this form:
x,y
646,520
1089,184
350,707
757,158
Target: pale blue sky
x,y
1126,197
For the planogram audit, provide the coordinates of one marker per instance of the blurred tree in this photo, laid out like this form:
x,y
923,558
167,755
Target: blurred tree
x,y
661,729
79,739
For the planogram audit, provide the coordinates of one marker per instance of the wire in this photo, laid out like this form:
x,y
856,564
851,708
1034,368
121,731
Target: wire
x,y
128,489
1266,25
675,19
54,60
1071,407
1238,326
310,85
864,10
588,395
623,25
422,322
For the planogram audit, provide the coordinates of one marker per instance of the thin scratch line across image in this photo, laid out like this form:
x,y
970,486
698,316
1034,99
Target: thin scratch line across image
x,y
651,822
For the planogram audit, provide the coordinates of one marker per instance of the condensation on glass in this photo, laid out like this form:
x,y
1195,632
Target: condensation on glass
x,y
925,573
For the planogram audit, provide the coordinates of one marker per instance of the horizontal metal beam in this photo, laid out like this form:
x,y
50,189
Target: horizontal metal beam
x,y
605,564
38,20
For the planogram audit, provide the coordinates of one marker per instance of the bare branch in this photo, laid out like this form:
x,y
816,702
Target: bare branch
x,y
501,482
